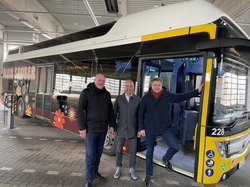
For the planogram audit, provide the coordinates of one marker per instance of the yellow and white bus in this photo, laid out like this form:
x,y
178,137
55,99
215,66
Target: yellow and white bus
x,y
182,43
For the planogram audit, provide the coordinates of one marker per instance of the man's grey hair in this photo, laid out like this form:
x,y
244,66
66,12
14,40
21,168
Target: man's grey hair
x,y
157,79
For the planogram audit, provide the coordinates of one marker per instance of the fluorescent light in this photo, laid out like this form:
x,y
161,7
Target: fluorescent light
x,y
13,16
46,36
27,24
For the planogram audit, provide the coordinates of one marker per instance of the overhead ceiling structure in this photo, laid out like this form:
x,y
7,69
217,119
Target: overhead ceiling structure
x,y
30,21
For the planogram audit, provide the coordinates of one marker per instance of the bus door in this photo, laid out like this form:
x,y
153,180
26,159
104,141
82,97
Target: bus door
x,y
44,92
179,74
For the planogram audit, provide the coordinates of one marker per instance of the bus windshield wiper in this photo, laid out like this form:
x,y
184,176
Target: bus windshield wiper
x,y
246,112
231,125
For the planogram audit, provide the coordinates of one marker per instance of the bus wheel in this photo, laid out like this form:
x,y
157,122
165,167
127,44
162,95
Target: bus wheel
x,y
20,108
110,144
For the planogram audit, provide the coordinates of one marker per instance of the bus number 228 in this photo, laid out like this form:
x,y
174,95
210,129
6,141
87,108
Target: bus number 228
x,y
217,132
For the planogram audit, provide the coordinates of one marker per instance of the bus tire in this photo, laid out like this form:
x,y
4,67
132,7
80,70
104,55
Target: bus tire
x,y
20,108
110,144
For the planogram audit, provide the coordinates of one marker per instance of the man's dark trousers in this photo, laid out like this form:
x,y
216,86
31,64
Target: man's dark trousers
x,y
170,139
94,149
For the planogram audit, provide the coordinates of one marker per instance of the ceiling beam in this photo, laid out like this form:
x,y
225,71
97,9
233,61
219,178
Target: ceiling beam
x,y
29,31
17,42
37,21
91,12
54,13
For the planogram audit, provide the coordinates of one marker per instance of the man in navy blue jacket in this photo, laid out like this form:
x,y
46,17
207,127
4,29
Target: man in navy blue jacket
x,y
155,120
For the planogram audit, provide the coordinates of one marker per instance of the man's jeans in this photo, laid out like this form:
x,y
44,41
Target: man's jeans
x,y
170,139
132,151
94,148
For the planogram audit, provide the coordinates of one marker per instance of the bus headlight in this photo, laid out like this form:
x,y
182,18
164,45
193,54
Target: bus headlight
x,y
222,148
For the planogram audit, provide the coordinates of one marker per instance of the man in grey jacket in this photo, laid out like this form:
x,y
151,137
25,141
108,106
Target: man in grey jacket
x,y
126,112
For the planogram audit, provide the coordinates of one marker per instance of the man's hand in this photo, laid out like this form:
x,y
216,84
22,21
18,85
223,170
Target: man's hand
x,y
200,87
141,133
83,133
138,134
112,131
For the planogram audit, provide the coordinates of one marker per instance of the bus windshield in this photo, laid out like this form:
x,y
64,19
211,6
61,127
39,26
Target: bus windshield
x,y
231,90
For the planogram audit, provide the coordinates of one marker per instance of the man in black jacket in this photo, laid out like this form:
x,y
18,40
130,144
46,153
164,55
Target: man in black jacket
x,y
95,115
155,120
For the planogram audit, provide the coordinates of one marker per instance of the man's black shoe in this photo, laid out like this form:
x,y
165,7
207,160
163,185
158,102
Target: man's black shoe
x,y
89,184
100,177
147,181
167,164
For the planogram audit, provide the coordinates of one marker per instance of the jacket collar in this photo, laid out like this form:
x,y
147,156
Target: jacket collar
x,y
93,89
164,92
124,96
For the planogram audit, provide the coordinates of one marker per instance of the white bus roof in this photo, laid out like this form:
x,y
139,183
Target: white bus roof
x,y
130,29
165,18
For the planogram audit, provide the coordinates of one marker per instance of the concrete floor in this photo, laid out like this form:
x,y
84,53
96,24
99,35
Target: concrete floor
x,y
36,154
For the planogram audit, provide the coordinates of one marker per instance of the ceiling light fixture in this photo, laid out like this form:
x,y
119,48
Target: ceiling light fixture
x,y
27,24
47,36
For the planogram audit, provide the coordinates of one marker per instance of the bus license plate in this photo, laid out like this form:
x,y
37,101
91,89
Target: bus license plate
x,y
241,163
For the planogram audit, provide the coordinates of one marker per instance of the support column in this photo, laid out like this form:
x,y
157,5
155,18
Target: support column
x,y
123,7
1,59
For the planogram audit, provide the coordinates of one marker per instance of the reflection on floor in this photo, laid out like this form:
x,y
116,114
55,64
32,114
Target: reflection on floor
x,y
182,162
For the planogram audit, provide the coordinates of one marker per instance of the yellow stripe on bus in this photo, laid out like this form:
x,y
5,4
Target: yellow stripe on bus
x,y
166,34
209,28
204,119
